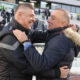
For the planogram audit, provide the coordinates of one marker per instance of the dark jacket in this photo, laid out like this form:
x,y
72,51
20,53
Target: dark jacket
x,y
13,63
11,55
59,51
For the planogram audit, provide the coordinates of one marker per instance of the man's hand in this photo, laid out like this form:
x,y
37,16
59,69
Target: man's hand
x,y
73,27
21,36
64,71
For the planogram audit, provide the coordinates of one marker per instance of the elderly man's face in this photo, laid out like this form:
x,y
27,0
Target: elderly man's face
x,y
28,18
54,20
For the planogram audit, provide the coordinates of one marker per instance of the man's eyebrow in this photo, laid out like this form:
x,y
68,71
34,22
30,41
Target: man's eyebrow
x,y
32,15
53,16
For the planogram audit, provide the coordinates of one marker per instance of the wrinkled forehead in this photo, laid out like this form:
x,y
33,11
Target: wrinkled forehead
x,y
57,14
29,11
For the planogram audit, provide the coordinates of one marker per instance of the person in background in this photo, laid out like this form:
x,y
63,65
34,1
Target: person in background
x,y
12,12
1,24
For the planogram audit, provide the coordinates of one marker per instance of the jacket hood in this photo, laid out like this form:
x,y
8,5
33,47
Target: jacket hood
x,y
74,36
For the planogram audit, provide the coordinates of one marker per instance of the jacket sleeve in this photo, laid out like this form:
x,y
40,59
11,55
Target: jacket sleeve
x,y
54,51
37,36
76,49
9,49
52,73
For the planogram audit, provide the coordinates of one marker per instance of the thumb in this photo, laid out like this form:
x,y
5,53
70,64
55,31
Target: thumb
x,y
16,32
64,67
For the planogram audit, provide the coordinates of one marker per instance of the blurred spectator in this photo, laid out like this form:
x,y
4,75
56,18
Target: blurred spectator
x,y
4,18
77,27
1,24
8,16
39,25
2,13
12,12
39,11
47,13
35,24
71,16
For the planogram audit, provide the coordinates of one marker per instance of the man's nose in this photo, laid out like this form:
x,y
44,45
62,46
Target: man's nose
x,y
34,20
48,20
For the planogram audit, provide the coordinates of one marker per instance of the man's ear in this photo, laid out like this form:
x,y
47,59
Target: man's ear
x,y
18,16
64,23
20,13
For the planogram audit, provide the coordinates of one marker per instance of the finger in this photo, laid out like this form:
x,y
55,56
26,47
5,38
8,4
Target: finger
x,y
71,25
17,32
64,67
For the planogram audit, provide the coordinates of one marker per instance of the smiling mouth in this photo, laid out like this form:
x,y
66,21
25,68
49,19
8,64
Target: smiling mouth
x,y
31,22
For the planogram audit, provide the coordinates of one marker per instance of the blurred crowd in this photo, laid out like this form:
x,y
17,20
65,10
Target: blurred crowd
x,y
5,17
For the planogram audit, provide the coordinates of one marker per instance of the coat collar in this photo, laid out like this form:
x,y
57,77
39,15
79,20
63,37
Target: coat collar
x,y
74,36
16,25
53,32
60,29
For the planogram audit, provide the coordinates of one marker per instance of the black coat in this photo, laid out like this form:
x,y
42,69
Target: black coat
x,y
59,51
12,60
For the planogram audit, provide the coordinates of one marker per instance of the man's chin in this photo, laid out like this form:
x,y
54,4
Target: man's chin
x,y
29,28
49,27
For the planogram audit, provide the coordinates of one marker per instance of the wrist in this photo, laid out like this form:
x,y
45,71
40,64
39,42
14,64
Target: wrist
x,y
26,44
25,41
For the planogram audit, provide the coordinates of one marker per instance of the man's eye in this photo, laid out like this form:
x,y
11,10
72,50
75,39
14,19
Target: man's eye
x,y
53,18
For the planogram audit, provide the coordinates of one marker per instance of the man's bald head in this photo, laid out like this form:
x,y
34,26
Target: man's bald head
x,y
65,15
